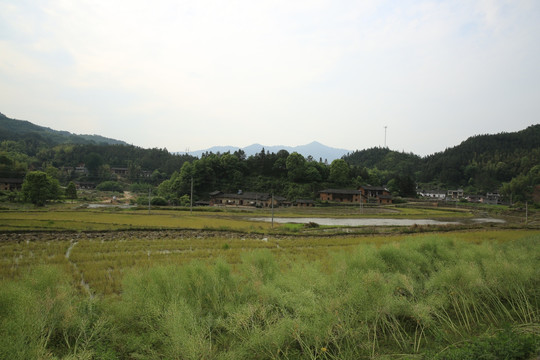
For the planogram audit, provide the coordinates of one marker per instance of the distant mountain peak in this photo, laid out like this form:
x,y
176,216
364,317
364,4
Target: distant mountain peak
x,y
315,149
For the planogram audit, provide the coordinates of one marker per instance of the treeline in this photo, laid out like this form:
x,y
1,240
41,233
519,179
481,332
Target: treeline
x,y
283,173
485,161
506,162
16,160
26,147
480,164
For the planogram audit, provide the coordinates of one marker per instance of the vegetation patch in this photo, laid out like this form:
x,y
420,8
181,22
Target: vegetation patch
x,y
434,296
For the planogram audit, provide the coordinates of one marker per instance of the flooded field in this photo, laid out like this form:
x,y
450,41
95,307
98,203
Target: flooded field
x,y
371,222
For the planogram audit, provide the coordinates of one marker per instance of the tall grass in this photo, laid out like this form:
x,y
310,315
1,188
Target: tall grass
x,y
409,299
41,317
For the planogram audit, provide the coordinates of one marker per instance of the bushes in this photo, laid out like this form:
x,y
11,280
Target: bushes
x,y
154,201
110,186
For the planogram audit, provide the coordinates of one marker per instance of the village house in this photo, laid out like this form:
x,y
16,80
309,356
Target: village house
x,y
81,169
492,198
432,194
365,194
241,198
340,195
87,185
11,184
376,194
146,174
304,203
454,194
120,171
475,198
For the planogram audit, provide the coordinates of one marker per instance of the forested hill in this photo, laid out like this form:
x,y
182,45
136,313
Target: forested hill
x,y
485,160
482,162
35,135
25,146
385,159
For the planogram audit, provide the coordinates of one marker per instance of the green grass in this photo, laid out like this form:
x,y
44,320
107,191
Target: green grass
x,y
80,220
125,284
102,258
67,217
452,296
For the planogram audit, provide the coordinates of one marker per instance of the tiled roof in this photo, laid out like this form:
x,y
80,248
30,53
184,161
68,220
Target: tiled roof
x,y
341,191
374,188
247,196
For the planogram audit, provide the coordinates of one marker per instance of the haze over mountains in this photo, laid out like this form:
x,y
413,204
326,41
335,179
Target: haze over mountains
x,y
13,129
314,149
487,145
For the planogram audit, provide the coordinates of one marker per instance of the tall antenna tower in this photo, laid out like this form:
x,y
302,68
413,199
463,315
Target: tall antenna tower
x,y
385,135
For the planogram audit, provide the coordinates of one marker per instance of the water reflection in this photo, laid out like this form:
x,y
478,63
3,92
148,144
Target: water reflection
x,y
369,222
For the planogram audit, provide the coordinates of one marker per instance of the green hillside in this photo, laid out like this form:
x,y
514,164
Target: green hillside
x,y
507,163
481,163
485,160
21,130
25,146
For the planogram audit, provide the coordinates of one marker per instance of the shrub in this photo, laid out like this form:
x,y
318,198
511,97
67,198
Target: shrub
x,y
158,201
110,186
140,188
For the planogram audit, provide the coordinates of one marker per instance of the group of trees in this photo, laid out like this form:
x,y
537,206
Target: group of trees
x,y
39,187
484,162
522,186
149,166
287,174
481,164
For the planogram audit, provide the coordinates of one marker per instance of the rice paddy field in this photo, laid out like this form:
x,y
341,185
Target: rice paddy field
x,y
78,283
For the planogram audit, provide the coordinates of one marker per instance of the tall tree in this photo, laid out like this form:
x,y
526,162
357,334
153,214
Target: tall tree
x,y
296,167
339,172
71,191
38,187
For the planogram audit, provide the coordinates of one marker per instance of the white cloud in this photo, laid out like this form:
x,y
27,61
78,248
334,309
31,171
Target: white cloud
x,y
201,73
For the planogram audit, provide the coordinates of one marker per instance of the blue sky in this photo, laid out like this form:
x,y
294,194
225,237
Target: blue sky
x,y
195,74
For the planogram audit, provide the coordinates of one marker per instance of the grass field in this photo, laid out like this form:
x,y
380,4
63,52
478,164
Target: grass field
x,y
101,258
125,284
73,217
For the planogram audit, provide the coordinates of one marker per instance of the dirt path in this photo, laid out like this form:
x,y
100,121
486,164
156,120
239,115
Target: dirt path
x,y
84,284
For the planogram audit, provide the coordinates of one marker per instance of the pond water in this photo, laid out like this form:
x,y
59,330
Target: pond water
x,y
121,206
369,222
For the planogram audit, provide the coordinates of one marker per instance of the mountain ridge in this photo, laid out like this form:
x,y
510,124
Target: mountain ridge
x,y
314,149
15,129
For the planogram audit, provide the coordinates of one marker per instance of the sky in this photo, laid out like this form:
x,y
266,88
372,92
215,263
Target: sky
x,y
192,74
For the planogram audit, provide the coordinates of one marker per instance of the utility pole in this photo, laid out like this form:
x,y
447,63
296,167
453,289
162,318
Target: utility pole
x,y
149,200
191,199
272,210
385,136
